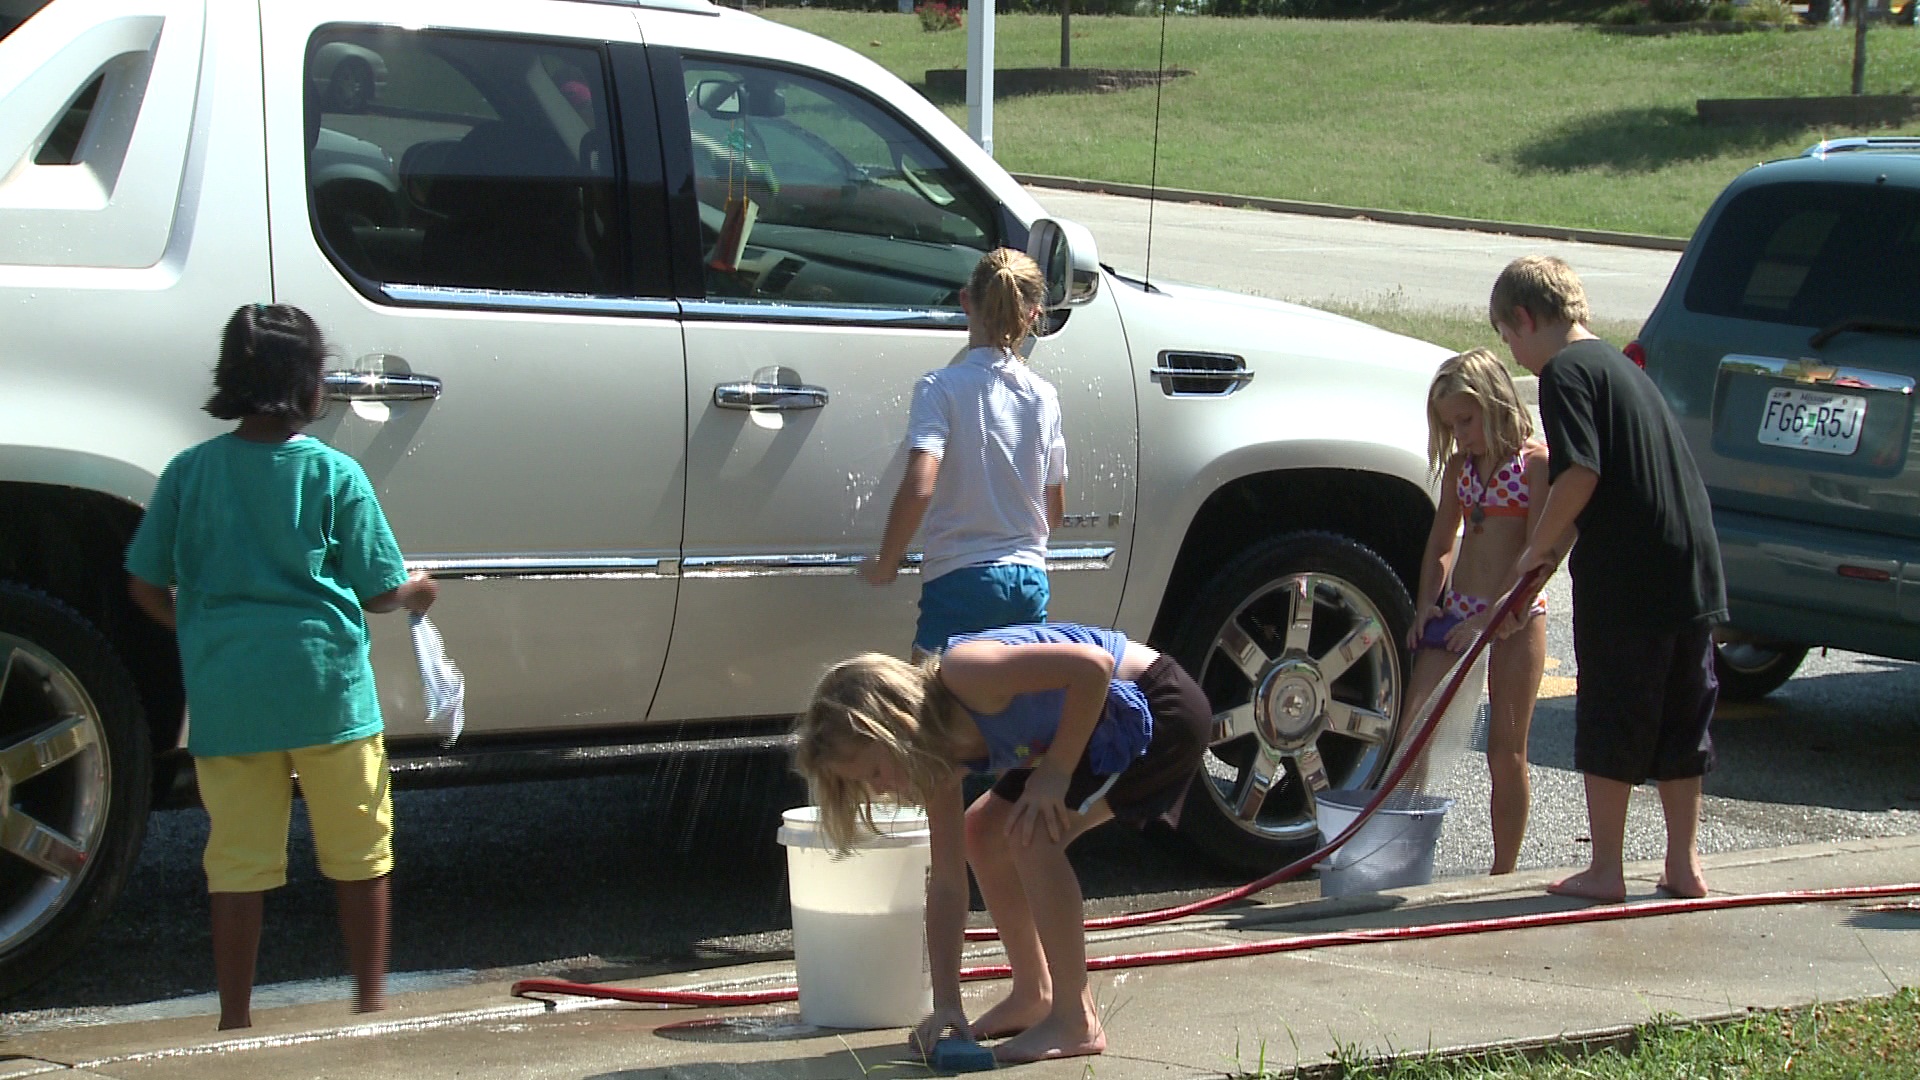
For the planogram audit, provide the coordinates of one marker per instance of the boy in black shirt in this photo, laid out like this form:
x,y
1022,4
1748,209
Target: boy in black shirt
x,y
1647,586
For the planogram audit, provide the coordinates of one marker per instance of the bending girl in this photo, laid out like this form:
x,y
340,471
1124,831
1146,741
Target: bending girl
x,y
1081,725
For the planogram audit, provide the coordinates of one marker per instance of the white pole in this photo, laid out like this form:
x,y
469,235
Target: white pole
x,y
980,72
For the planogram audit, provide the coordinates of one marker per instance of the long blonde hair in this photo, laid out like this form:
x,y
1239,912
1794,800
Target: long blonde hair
x,y
1480,376
873,698
1004,296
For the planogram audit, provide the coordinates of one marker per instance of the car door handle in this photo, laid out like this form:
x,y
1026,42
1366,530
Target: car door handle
x,y
380,386
773,396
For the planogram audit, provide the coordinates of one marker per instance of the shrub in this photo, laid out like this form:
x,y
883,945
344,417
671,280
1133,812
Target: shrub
x,y
1632,13
1774,12
936,16
1721,11
1676,11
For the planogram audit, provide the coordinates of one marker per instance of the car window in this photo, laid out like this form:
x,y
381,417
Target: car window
x,y
463,160
15,12
1812,255
811,193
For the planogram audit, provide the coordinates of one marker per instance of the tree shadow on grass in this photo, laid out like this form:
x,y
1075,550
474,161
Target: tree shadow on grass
x,y
1641,141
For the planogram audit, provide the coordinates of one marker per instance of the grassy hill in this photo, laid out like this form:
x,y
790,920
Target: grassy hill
x,y
1550,123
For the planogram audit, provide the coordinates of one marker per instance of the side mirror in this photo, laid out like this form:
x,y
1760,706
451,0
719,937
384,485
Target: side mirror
x,y
721,99
1068,259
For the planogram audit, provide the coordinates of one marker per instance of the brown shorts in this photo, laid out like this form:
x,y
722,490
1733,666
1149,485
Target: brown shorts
x,y
1153,786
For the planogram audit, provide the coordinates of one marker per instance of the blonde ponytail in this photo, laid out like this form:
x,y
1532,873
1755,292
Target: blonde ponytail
x,y
1004,294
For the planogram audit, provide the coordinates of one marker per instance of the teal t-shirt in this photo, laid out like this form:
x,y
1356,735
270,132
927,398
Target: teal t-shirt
x,y
273,547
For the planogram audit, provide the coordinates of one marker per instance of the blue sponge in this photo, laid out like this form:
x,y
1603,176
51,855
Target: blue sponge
x,y
954,1054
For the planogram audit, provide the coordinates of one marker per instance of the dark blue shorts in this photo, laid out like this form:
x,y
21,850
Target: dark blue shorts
x,y
1154,787
1644,702
975,598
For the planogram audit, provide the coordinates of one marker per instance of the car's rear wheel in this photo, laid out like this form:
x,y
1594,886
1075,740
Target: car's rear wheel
x,y
1298,646
1750,670
75,767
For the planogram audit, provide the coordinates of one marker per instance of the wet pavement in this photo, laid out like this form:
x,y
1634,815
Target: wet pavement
x,y
1227,1017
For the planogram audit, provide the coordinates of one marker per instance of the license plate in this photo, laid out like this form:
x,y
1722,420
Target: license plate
x,y
1812,420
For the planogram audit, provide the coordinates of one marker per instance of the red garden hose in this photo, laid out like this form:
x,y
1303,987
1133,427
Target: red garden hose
x,y
1606,913
1521,594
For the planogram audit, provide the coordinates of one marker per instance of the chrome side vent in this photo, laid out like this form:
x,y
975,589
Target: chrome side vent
x,y
1200,374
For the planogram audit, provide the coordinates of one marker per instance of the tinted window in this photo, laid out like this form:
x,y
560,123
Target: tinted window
x,y
1812,255
456,160
15,12
811,193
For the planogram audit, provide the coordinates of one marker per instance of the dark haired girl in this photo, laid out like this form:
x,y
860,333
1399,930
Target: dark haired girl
x,y
275,545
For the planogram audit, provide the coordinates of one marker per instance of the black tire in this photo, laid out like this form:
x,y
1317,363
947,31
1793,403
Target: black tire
x,y
61,680
351,87
1749,671
1353,589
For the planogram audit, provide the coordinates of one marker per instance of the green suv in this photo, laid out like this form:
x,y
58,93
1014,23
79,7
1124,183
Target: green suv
x,y
1787,344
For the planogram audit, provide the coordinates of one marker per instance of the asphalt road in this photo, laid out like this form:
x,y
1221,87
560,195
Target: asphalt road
x,y
1297,257
676,868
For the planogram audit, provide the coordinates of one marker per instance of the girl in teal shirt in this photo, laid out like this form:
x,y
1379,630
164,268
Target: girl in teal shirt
x,y
274,546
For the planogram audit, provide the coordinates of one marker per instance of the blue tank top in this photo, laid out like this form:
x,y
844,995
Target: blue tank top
x,y
1021,732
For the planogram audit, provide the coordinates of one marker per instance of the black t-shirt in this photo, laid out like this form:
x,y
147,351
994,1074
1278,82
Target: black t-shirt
x,y
1647,555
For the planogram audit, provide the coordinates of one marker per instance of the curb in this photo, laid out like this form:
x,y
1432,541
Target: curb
x,y
1392,217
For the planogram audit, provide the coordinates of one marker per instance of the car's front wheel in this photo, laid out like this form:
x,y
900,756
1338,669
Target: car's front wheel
x,y
1297,644
75,767
1750,670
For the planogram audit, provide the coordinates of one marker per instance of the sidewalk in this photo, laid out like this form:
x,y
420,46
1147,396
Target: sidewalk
x,y
1221,1018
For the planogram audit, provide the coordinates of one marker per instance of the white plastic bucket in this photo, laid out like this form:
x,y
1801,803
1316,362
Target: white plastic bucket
x,y
1392,850
859,920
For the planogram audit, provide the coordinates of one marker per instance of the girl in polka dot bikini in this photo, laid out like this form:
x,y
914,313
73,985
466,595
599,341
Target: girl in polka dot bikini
x,y
1493,479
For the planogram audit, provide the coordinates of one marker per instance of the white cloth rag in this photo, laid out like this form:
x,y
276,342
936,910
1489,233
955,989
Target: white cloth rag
x,y
445,688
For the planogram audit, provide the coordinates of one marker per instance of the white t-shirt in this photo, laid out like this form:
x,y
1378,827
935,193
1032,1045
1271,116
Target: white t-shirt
x,y
995,426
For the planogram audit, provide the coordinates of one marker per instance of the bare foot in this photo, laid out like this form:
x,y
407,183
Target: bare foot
x,y
230,1024
1592,885
1687,884
1014,1014
1053,1038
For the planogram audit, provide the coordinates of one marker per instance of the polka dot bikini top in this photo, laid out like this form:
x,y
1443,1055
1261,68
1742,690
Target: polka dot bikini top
x,y
1504,496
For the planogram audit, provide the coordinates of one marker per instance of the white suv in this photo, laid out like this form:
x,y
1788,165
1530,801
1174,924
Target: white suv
x,y
627,299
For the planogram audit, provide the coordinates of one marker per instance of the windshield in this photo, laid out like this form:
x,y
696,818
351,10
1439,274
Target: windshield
x,y
15,12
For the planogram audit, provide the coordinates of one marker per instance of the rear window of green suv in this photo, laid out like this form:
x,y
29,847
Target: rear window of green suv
x,y
1808,254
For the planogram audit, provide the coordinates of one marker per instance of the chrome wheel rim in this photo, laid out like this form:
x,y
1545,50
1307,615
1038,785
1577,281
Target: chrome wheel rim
x,y
1747,657
54,788
1304,678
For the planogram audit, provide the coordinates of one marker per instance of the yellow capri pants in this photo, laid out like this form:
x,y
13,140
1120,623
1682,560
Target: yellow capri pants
x,y
250,799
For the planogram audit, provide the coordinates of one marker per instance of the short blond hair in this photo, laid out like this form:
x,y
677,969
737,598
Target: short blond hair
x,y
1541,285
873,699
1479,375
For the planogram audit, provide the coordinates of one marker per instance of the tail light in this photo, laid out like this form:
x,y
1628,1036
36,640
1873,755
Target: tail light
x,y
1636,353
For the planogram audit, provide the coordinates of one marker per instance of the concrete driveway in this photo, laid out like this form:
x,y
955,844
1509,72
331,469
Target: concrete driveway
x,y
1318,259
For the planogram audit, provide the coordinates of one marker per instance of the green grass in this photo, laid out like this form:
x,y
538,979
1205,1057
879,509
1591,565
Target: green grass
x,y
1878,1039
1457,329
1554,124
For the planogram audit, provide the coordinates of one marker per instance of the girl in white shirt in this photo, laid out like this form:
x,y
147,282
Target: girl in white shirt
x,y
986,464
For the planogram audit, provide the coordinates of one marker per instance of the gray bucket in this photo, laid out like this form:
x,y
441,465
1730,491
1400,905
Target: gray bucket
x,y
1392,850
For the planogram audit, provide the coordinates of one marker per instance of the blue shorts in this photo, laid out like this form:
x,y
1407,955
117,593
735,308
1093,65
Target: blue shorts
x,y
975,598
